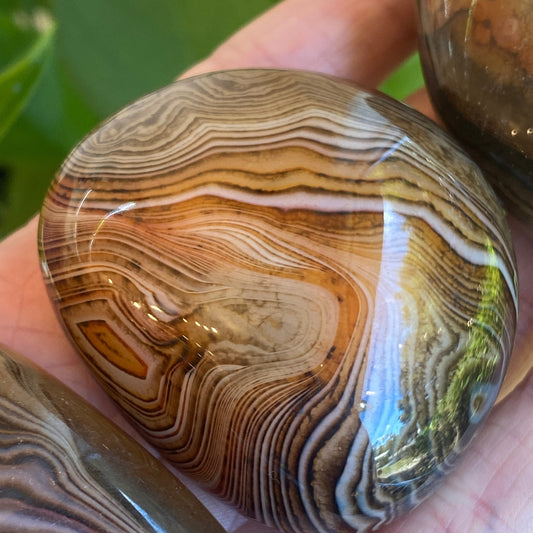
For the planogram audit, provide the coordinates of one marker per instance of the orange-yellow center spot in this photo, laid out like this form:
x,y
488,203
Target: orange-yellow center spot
x,y
114,349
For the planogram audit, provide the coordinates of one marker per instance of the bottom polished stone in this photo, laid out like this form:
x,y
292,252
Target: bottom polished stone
x,y
65,467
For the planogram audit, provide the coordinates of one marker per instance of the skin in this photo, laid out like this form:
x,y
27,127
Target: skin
x,y
363,41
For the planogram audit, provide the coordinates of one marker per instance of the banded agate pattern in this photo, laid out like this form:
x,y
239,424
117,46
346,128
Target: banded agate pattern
x,y
65,468
301,293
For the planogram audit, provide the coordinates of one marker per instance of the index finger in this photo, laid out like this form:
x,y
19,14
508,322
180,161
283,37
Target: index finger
x,y
362,40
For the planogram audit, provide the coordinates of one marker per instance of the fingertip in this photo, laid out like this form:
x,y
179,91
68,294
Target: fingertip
x,y
420,101
362,41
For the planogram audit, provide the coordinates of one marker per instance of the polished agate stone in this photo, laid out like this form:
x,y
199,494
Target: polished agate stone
x,y
65,467
302,293
478,62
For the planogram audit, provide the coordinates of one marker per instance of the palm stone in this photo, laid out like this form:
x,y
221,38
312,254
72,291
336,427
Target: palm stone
x,y
302,293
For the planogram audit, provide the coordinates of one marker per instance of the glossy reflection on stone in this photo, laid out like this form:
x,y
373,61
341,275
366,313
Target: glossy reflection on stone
x,y
478,61
303,294
64,467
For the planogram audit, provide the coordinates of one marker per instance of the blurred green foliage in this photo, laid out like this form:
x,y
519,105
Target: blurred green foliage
x,y
28,39
81,60
405,80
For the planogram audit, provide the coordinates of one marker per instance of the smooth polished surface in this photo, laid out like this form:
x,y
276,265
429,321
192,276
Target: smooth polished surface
x,y
304,294
478,61
64,467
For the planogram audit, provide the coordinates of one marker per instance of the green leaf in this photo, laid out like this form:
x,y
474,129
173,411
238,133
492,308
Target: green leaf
x,y
30,38
404,81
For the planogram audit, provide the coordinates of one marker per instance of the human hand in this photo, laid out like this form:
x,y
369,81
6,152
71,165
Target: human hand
x,y
362,41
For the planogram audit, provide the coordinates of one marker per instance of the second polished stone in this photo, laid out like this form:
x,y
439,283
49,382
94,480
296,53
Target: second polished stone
x,y
65,468
304,294
478,62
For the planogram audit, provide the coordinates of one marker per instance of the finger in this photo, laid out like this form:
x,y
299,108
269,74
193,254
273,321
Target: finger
x,y
421,102
361,40
522,357
27,321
